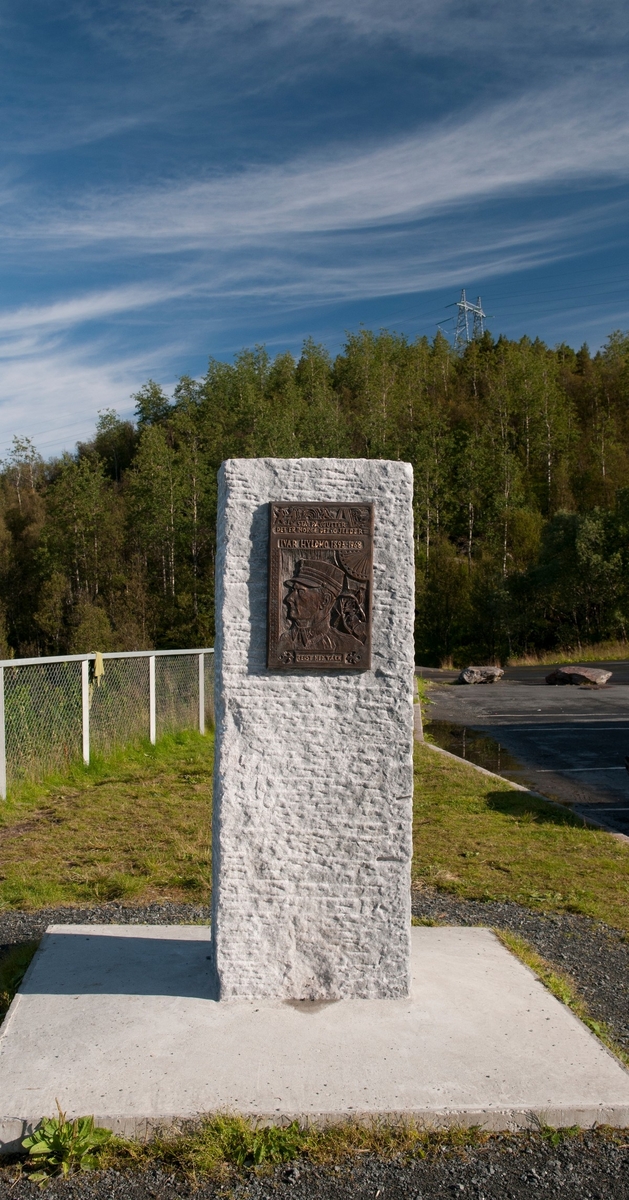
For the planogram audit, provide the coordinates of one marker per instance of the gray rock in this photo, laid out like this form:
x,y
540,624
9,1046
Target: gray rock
x,y
579,675
480,675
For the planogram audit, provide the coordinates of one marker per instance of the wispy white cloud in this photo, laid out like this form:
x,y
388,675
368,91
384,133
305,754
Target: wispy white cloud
x,y
355,220
434,26
445,26
535,142
421,257
74,129
53,385
76,310
54,396
153,67
53,390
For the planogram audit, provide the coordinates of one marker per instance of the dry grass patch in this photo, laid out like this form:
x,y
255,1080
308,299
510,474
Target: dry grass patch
x,y
134,827
613,651
481,840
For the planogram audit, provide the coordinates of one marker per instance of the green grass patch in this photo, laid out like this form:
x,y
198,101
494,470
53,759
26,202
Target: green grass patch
x,y
225,1143
562,986
482,840
136,826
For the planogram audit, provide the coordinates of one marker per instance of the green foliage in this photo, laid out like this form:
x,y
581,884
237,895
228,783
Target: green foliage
x,y
224,1144
152,405
234,1140
13,967
114,444
220,1147
59,1146
555,1137
520,456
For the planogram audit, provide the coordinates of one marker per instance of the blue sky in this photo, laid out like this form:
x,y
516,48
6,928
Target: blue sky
x,y
182,178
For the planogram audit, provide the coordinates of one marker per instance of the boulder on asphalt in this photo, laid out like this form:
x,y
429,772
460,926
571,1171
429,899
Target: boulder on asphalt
x,y
579,675
480,675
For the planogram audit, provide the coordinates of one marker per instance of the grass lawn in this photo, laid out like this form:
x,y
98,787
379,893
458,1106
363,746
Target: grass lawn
x,y
137,828
479,839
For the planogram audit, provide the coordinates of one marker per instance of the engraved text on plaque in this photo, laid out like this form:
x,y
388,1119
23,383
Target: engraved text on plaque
x,y
320,586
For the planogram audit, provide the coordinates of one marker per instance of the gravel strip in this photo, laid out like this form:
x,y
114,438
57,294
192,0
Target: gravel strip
x,y
584,1168
593,954
18,927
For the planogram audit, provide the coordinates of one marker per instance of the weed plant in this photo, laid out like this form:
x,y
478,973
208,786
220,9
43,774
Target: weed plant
x,y
59,1146
225,1145
226,1142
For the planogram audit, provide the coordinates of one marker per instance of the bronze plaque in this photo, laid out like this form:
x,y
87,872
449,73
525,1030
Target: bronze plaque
x,y
320,586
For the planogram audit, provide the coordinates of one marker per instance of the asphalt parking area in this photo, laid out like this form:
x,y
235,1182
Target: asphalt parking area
x,y
566,742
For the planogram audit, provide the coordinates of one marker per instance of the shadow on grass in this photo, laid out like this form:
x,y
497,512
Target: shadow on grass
x,y
524,807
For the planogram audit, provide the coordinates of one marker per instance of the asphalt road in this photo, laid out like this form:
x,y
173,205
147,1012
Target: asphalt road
x,y
567,742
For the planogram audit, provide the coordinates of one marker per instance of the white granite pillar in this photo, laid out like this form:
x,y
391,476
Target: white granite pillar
x,y
312,826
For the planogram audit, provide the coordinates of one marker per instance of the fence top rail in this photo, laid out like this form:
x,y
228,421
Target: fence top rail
x,y
62,658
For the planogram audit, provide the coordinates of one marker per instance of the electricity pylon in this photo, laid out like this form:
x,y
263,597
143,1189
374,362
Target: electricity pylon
x,y
466,309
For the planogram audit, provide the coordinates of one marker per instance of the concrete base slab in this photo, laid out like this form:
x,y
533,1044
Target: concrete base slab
x,y
119,1022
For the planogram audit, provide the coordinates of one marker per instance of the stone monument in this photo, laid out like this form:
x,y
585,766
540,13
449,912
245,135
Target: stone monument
x,y
314,729
311,896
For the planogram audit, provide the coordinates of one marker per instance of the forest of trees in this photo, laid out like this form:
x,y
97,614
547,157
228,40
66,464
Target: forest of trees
x,y
521,460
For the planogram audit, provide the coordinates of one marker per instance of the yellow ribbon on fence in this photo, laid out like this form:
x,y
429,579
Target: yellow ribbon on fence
x,y
97,671
98,667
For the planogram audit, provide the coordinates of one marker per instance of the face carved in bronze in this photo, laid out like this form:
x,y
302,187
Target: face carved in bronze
x,y
313,592
320,583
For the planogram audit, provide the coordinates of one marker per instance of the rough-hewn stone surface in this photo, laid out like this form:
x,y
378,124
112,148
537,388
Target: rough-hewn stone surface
x,y
313,776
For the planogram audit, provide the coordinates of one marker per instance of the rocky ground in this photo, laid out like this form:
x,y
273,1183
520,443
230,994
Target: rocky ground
x,y
589,1166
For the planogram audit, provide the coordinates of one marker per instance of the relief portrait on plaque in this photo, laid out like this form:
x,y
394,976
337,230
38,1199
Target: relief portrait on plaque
x,y
320,584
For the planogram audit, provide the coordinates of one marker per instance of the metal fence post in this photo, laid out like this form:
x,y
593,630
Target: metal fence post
x,y
152,711
202,693
85,706
3,741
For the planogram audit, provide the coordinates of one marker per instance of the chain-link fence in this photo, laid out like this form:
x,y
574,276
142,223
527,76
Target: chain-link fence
x,y
177,693
54,711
